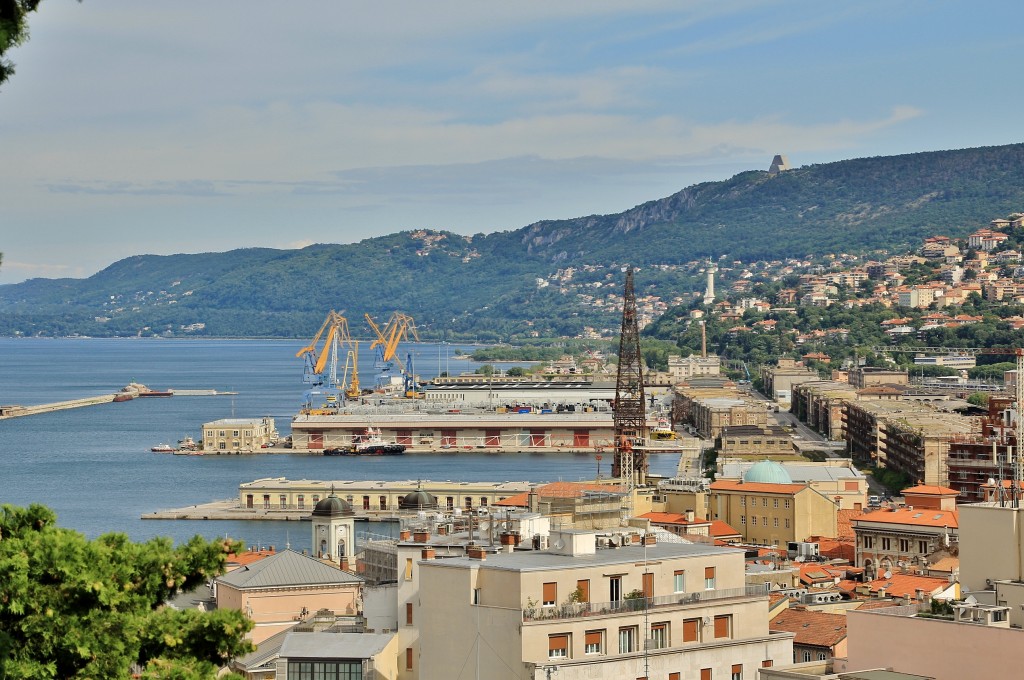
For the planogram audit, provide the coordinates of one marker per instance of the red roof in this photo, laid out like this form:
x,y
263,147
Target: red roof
x,y
672,518
925,490
720,529
812,628
557,490
907,585
922,517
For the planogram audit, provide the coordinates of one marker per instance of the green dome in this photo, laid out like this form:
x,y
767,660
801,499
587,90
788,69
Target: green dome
x,y
767,472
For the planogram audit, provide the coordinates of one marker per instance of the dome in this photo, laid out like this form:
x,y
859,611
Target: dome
x,y
418,500
332,506
767,472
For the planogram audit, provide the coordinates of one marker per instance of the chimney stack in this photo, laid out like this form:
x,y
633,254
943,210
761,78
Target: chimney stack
x,y
405,535
476,552
421,536
428,553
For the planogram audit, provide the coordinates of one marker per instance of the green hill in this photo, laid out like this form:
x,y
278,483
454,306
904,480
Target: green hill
x,y
486,287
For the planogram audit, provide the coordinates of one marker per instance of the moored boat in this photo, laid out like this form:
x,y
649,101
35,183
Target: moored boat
x,y
163,448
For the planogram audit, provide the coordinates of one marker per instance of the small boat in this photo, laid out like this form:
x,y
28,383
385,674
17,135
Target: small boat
x,y
188,444
163,448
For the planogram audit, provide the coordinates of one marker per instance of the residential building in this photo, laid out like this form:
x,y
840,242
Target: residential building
x,y
819,636
660,611
683,368
779,380
889,539
864,376
754,440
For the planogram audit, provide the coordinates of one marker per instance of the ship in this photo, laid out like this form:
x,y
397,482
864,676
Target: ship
x,y
368,444
163,448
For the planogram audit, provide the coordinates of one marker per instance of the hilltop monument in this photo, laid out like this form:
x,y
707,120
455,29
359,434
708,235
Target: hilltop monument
x,y
779,164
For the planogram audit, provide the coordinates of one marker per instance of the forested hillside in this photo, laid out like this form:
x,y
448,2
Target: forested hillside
x,y
545,279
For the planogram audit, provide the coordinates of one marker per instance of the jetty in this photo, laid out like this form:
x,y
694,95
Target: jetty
x,y
127,393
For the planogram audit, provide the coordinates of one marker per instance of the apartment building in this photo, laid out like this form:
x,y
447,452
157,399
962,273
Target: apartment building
x,y
580,610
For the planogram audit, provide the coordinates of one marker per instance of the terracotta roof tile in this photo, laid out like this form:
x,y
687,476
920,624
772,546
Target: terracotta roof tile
x,y
924,489
844,525
907,585
720,529
921,517
557,490
671,518
813,628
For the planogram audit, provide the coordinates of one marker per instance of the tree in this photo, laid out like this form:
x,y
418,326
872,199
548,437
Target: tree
x,y
13,30
71,607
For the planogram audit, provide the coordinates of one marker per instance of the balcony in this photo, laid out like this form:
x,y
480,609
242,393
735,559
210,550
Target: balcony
x,y
577,610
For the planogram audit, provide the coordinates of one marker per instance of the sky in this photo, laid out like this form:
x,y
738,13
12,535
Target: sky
x,y
136,127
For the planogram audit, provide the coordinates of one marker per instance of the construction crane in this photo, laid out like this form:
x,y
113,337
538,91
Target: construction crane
x,y
1018,430
398,329
320,364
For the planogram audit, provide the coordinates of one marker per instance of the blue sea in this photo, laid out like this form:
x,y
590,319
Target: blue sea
x,y
94,467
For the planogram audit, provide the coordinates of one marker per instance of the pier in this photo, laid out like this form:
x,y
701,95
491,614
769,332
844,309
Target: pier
x,y
126,394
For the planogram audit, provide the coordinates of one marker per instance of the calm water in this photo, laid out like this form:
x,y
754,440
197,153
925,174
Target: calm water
x,y
94,468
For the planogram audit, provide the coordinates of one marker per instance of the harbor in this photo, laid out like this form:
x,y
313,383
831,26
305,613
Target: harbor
x,y
127,393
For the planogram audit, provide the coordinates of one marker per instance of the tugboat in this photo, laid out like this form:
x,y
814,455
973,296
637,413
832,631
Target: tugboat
x,y
368,444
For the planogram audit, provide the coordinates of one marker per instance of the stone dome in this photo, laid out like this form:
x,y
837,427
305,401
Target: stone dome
x,y
332,506
767,472
418,500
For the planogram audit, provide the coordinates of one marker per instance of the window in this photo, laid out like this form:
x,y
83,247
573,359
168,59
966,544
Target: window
x,y
659,635
785,503
336,670
679,581
615,588
316,498
648,584
283,500
450,502
904,545
743,501
922,547
408,659
737,672
806,656
476,596
709,578
787,523
627,639
775,502
753,520
408,613
383,502
775,522
767,663
886,544
234,433
408,568
583,588
302,501
691,630
821,656
593,642
550,594
558,646
723,626
869,541
483,501
705,674
266,501
469,502
673,676
764,502
366,502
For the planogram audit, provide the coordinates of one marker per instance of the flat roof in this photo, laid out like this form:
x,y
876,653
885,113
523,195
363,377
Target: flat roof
x,y
544,560
334,645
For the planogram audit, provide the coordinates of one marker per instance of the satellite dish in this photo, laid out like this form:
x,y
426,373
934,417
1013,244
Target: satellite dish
x,y
557,545
887,574
991,481
707,620
971,600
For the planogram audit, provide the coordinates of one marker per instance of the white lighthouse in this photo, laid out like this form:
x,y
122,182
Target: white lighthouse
x,y
709,294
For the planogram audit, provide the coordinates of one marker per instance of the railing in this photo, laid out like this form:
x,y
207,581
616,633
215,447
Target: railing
x,y
574,610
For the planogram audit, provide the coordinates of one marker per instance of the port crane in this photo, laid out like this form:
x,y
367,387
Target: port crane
x,y
320,364
398,329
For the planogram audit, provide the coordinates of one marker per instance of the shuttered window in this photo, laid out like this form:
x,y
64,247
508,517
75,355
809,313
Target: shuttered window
x,y
584,589
705,674
558,646
709,578
593,642
648,582
550,594
722,626
408,613
737,672
691,630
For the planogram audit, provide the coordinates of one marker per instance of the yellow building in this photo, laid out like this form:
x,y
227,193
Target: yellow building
x,y
768,509
655,610
238,435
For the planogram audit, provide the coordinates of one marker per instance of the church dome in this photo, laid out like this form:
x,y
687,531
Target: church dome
x,y
332,506
767,472
418,500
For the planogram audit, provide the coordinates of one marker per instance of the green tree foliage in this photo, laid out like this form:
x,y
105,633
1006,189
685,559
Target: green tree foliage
x,y
13,30
978,399
71,607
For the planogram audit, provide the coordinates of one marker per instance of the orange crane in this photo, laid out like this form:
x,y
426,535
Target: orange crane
x,y
398,329
320,362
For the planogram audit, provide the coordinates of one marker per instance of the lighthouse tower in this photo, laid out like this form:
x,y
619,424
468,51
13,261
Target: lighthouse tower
x,y
709,293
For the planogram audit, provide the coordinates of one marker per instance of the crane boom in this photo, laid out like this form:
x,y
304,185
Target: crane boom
x,y
320,361
398,328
